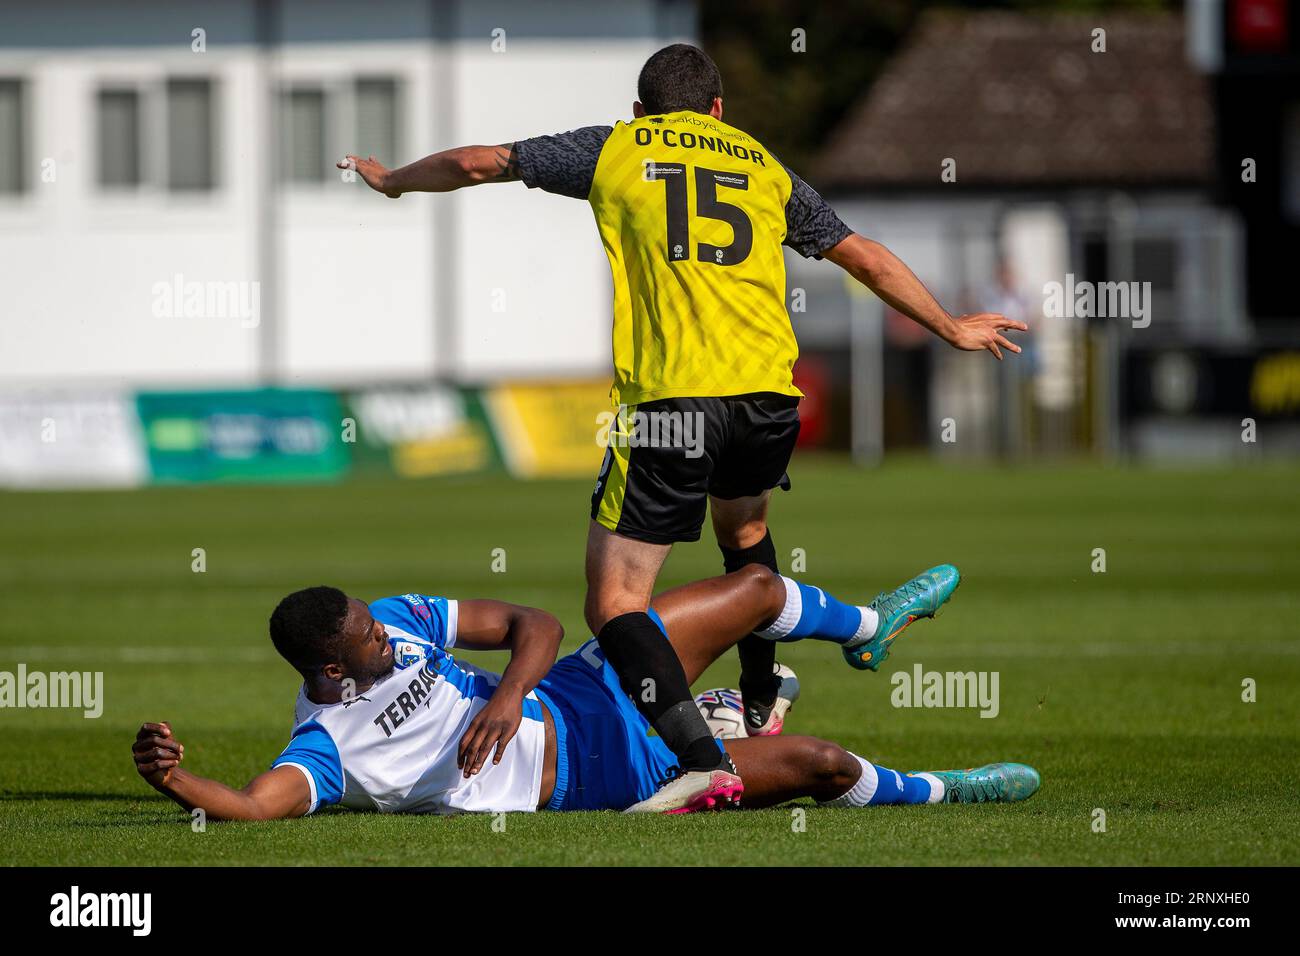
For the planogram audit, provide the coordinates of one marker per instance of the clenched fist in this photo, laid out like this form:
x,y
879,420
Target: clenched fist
x,y
157,753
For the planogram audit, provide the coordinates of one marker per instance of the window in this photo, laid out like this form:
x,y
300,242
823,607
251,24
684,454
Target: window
x,y
319,122
375,100
119,138
302,135
159,134
190,147
1156,260
12,149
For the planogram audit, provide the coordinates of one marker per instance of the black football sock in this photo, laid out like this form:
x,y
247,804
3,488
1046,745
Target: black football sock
x,y
758,685
639,652
758,680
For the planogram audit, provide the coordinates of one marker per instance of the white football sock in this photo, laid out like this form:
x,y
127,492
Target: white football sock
x,y
936,785
789,616
867,629
792,613
860,794
867,790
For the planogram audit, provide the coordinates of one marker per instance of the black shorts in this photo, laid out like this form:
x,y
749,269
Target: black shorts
x,y
666,457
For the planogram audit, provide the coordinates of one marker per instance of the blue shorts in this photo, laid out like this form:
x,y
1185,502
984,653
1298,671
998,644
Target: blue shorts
x,y
605,756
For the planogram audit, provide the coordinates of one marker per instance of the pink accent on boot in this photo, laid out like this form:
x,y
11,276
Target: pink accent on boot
x,y
724,791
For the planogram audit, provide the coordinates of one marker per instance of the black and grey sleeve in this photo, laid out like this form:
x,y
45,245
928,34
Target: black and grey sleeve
x,y
811,225
564,163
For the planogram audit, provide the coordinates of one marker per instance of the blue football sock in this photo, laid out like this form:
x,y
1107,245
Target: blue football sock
x,y
811,612
880,785
895,787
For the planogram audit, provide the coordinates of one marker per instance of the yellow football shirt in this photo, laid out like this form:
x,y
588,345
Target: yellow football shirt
x,y
692,213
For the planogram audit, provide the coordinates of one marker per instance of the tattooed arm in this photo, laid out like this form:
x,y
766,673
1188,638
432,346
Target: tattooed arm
x,y
441,172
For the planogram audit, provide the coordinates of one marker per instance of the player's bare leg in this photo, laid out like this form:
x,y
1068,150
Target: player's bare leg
x,y
778,769
739,522
705,619
620,576
740,525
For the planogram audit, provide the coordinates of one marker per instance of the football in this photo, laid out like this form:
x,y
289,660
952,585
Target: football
x,y
723,712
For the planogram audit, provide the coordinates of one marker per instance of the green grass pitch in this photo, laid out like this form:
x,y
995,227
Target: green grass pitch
x,y
1123,688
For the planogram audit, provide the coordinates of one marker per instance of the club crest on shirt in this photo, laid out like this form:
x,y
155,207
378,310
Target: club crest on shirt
x,y
405,653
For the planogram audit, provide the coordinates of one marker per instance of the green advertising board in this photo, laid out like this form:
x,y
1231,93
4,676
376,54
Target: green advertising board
x,y
421,430
255,435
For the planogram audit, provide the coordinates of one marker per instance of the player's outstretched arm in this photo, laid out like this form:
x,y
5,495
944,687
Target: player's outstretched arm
x,y
278,793
888,277
440,172
533,638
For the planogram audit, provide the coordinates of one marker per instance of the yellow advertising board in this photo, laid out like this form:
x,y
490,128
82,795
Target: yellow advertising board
x,y
549,429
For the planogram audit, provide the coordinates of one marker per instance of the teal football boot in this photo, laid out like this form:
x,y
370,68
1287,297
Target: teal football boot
x,y
992,783
920,597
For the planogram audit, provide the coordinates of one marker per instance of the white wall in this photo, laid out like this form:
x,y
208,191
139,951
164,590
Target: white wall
x,y
541,251
361,288
356,273
79,265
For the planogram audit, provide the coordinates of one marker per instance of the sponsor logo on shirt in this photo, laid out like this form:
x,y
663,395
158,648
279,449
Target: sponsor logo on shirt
x,y
418,607
407,701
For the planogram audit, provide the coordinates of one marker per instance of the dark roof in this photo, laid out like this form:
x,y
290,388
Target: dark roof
x,y
1021,100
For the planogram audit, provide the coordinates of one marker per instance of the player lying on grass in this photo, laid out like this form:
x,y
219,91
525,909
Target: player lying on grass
x,y
388,720
693,214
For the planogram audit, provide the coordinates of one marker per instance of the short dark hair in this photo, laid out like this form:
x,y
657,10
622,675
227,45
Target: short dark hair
x,y
306,627
678,77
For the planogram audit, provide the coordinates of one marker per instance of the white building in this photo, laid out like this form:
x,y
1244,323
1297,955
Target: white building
x,y
154,145
1003,153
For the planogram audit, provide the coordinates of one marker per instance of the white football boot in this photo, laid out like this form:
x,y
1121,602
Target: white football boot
x,y
695,791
